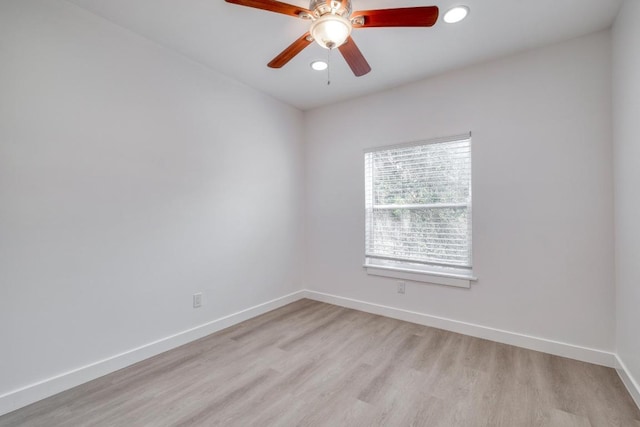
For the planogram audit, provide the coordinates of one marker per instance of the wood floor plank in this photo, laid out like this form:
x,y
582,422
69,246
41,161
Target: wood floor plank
x,y
315,364
564,419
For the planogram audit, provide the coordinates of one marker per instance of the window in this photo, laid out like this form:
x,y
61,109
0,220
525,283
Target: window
x,y
418,211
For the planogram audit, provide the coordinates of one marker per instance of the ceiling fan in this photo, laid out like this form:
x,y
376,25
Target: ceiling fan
x,y
332,22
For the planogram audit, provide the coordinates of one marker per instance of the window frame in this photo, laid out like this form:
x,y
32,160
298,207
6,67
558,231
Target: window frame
x,y
424,271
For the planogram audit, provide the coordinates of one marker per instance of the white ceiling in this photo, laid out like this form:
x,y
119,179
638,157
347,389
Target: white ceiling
x,y
240,41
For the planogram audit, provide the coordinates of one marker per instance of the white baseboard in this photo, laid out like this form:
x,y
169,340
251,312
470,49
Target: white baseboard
x,y
629,382
32,393
598,357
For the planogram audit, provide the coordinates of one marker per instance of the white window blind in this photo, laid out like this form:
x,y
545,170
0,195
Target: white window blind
x,y
418,205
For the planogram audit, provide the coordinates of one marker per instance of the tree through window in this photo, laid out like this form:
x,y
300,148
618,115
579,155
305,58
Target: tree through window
x,y
418,206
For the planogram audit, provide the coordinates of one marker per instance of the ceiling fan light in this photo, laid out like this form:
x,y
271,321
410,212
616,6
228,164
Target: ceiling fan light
x,y
331,31
456,14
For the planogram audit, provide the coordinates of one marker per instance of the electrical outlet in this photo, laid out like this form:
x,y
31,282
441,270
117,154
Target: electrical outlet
x,y
197,300
401,287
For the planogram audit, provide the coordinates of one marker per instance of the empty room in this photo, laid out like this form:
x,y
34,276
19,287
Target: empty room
x,y
320,213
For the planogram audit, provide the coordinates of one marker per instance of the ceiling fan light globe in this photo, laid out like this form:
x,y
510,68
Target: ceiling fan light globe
x,y
331,31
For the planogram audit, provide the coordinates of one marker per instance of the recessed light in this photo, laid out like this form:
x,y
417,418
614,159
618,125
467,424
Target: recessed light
x,y
319,65
456,14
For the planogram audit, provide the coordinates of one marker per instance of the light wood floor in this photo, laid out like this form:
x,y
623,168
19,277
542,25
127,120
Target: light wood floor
x,y
314,364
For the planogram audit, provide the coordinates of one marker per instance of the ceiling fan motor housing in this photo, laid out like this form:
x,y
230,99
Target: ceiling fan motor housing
x,y
335,7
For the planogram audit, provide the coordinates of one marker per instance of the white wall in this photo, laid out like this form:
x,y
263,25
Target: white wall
x,y
626,114
542,191
130,178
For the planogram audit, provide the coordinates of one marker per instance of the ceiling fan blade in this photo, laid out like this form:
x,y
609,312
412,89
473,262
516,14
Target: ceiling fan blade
x,y
294,49
354,58
424,16
273,6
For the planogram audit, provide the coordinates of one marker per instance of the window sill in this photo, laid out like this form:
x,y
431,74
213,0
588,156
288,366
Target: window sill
x,y
460,281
